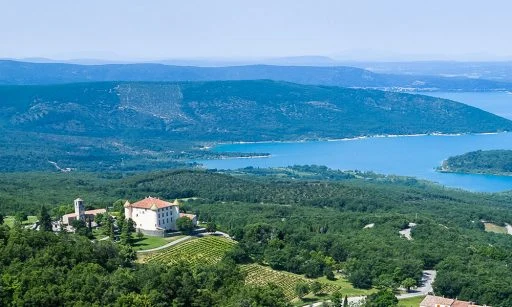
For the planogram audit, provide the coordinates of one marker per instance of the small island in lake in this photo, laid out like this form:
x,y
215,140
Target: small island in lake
x,y
493,162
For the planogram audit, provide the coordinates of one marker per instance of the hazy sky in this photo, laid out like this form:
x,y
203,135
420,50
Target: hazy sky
x,y
125,29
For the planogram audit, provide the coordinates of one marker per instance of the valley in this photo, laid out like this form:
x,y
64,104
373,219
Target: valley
x,y
255,154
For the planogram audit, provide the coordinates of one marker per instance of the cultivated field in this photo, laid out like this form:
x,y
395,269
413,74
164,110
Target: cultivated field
x,y
206,250
261,275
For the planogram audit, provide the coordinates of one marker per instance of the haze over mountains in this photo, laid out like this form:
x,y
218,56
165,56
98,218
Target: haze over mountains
x,y
12,72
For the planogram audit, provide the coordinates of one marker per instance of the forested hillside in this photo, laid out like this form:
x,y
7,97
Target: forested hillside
x,y
44,269
100,125
311,227
494,162
12,72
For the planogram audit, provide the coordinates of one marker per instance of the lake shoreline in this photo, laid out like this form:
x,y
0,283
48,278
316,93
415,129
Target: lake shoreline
x,y
377,136
473,173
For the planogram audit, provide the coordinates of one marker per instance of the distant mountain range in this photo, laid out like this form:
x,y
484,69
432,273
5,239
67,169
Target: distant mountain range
x,y
498,71
24,73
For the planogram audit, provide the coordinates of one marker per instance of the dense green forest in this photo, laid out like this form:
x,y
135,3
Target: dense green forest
x,y
495,162
313,226
129,126
40,268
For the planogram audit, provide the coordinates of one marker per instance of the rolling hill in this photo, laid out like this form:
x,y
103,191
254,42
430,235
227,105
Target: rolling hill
x,y
119,120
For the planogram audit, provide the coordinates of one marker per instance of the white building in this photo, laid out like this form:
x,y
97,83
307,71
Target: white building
x,y
153,216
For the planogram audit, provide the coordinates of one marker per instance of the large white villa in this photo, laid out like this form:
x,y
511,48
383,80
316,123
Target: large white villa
x,y
154,216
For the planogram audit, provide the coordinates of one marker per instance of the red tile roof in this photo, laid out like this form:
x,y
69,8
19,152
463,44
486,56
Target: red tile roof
x,y
149,202
432,301
88,212
458,303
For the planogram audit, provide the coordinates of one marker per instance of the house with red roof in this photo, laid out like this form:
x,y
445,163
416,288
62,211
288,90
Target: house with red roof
x,y
154,216
438,301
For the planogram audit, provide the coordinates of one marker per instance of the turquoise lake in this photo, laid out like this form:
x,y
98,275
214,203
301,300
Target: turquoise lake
x,y
416,156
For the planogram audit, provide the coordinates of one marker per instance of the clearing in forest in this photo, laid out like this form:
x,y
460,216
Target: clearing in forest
x,y
490,227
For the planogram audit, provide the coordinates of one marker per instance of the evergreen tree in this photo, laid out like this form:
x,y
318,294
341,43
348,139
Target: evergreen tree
x,y
1,218
108,227
45,221
126,232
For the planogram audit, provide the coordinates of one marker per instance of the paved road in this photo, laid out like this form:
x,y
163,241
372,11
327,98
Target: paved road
x,y
165,246
428,278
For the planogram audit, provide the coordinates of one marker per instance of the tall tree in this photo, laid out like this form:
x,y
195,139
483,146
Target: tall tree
x,y
383,298
301,289
45,220
184,224
337,299
316,287
127,231
408,283
108,227
211,227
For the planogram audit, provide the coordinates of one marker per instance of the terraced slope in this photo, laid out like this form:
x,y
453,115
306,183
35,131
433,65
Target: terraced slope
x,y
261,275
206,250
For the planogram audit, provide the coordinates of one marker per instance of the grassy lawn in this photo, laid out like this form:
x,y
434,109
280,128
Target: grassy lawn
x,y
9,220
341,283
148,242
262,275
98,234
411,302
490,227
346,287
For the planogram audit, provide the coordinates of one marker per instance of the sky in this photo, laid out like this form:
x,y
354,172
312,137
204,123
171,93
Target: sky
x,y
346,30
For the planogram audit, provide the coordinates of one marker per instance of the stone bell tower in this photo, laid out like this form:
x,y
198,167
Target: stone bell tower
x,y
80,209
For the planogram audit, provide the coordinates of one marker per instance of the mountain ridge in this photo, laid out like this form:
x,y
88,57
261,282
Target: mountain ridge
x,y
25,73
108,124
